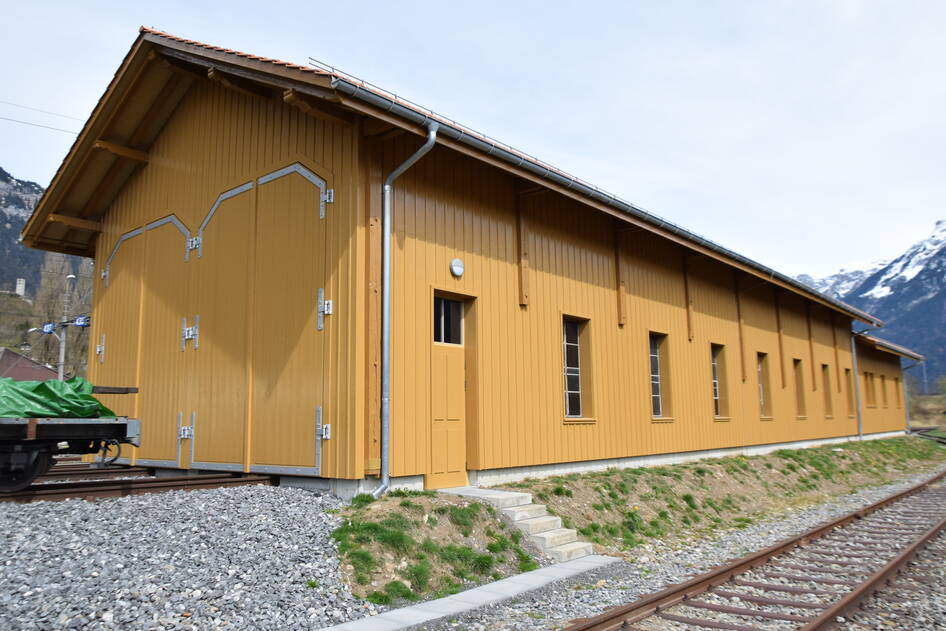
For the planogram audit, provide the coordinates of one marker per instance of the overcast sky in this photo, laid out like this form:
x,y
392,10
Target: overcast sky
x,y
806,135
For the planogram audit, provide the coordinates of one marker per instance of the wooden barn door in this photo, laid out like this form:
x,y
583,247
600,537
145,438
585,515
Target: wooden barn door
x,y
217,371
165,304
288,330
115,326
447,460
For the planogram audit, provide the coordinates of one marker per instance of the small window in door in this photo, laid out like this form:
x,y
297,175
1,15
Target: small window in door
x,y
448,321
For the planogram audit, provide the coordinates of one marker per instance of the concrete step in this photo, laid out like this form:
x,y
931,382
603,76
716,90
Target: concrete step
x,y
535,525
527,511
499,499
569,551
553,538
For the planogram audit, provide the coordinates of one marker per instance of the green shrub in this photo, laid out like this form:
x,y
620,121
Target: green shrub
x,y
361,500
419,575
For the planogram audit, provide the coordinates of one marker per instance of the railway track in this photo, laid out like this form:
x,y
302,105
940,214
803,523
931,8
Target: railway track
x,y
816,580
94,489
66,473
925,433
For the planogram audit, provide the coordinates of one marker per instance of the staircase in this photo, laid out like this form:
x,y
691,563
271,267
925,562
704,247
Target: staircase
x,y
544,530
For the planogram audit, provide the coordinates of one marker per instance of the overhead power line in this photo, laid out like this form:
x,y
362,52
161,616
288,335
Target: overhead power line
x,y
36,109
13,120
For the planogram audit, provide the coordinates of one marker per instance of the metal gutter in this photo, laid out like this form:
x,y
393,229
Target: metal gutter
x,y
387,204
392,106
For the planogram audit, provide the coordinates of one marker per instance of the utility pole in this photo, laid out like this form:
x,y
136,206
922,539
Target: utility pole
x,y
63,326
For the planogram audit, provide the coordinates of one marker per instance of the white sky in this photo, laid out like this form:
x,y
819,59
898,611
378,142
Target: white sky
x,y
806,135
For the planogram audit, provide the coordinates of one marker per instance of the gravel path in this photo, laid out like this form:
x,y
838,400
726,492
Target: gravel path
x,y
655,567
233,558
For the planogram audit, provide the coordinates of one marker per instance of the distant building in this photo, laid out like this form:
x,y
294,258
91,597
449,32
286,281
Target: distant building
x,y
20,287
21,368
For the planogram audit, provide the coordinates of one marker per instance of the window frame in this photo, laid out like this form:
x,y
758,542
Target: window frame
x,y
440,318
657,356
720,383
765,386
801,400
849,384
826,386
583,370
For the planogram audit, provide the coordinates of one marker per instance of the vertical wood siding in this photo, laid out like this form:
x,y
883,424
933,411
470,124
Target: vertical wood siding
x,y
217,140
449,206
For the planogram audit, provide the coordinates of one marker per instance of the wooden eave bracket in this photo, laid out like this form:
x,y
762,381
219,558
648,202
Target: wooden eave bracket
x,y
243,86
121,151
313,108
75,222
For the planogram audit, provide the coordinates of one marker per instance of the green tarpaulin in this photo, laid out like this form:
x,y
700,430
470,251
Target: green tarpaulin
x,y
49,399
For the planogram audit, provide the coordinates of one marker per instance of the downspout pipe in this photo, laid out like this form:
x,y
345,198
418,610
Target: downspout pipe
x,y
857,384
387,203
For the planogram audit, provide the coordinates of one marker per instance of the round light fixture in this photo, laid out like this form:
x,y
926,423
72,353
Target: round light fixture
x,y
456,268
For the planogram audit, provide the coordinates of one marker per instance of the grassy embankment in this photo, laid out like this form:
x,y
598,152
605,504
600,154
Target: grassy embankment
x,y
620,509
929,411
410,544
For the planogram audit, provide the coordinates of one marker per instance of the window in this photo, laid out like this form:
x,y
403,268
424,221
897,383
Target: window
x,y
659,376
448,321
883,389
765,399
870,393
898,392
577,367
572,369
800,408
826,387
718,370
849,382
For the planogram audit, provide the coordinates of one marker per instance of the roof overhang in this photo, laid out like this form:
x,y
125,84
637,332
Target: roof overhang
x,y
159,69
889,347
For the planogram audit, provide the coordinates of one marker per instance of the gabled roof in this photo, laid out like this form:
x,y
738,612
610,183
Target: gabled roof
x,y
156,74
890,347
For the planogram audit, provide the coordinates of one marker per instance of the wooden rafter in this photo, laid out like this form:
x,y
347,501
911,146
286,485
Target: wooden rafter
x,y
76,222
312,107
121,151
238,84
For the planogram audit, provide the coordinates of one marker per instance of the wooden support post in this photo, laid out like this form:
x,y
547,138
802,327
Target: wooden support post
x,y
371,162
811,347
781,341
739,320
834,344
121,151
237,84
686,295
522,226
620,285
76,222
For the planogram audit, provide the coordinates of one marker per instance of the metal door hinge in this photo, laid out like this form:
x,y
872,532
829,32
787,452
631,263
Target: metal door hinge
x,y
193,243
190,332
184,432
100,350
325,308
330,196
322,432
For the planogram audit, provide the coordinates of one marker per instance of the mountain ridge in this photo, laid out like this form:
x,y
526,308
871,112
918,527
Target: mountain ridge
x,y
907,292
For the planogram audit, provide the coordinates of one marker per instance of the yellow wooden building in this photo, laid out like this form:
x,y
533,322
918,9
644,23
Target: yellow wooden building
x,y
234,206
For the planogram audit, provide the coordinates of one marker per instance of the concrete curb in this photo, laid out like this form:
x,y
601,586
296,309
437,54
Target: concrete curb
x,y
474,598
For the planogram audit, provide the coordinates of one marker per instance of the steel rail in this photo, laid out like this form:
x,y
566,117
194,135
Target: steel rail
x,y
830,617
118,488
617,617
66,473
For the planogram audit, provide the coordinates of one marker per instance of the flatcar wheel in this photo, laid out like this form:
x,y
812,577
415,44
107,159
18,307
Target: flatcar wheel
x,y
14,479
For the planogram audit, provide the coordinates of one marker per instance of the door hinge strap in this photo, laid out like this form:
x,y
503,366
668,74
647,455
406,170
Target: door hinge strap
x,y
100,350
190,332
325,307
193,243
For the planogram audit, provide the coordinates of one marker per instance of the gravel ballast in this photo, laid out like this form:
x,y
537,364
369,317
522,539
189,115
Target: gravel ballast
x,y
655,567
236,558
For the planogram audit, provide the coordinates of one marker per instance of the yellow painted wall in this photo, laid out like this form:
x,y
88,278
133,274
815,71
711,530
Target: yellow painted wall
x,y
886,414
451,206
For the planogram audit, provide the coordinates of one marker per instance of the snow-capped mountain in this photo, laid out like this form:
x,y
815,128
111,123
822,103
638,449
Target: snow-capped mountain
x,y
18,197
907,293
17,200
